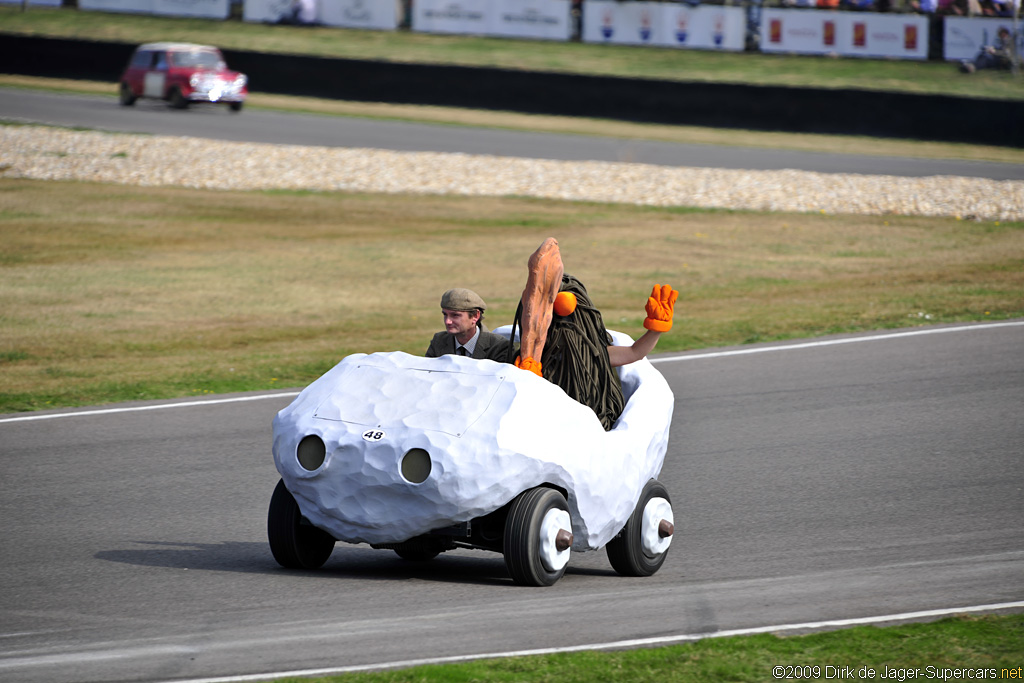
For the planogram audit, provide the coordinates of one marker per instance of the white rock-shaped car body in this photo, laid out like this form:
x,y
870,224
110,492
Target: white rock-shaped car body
x,y
492,432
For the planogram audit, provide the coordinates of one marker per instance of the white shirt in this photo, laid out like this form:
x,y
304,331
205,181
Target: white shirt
x,y
470,346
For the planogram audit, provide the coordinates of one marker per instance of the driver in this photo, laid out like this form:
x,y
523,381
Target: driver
x,y
464,331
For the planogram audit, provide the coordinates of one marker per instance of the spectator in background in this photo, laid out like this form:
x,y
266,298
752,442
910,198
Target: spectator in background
x,y
1002,8
998,55
952,7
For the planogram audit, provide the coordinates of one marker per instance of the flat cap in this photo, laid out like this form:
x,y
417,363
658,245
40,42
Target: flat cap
x,y
462,300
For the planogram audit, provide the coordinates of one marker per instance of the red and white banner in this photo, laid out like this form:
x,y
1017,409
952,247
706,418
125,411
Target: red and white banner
x,y
847,34
660,24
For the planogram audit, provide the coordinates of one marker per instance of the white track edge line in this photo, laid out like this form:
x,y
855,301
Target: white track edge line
x,y
155,406
834,342
639,642
670,359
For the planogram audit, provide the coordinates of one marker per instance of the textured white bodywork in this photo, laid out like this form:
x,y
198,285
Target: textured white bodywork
x,y
492,432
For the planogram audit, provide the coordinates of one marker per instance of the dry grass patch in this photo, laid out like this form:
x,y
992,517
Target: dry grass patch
x,y
115,292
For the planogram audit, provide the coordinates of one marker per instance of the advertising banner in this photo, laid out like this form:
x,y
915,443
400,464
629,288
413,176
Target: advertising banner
x,y
378,15
705,27
963,37
659,24
799,31
847,34
902,36
531,19
622,23
281,11
33,3
206,9
129,6
451,16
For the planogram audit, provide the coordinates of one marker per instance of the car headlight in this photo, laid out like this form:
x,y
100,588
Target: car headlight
x,y
311,452
241,80
194,80
416,466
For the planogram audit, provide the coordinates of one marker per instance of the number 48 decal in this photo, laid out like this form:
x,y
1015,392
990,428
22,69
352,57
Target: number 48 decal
x,y
373,435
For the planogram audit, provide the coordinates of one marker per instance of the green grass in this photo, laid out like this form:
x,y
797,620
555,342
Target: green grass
x,y
115,293
406,46
987,646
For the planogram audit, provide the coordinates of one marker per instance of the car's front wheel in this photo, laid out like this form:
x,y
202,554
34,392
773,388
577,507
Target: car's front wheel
x,y
538,537
295,543
126,96
235,107
641,546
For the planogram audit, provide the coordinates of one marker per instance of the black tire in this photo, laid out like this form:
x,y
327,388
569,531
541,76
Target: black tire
x,y
235,107
178,101
125,96
626,551
522,539
295,543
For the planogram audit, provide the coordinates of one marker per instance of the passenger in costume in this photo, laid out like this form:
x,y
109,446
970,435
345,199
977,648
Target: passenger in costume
x,y
564,339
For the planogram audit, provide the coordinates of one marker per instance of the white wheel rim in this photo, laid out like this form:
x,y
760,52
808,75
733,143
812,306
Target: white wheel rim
x,y
551,557
656,510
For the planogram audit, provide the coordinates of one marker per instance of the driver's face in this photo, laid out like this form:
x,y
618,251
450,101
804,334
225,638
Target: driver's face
x,y
460,323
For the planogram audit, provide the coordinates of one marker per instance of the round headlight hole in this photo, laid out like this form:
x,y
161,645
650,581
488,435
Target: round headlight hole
x,y
416,466
311,452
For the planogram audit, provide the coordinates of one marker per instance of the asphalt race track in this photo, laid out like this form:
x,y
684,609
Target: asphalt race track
x,y
837,479
840,478
152,117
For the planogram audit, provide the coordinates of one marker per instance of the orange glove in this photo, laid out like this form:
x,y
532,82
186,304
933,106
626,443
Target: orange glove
x,y
529,364
660,306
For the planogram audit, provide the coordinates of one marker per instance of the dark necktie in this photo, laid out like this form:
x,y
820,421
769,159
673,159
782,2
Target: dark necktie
x,y
461,351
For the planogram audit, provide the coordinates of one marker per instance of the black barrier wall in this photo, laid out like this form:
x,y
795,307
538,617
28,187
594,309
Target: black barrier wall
x,y
767,108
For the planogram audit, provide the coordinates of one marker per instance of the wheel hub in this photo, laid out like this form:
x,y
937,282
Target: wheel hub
x,y
556,523
655,536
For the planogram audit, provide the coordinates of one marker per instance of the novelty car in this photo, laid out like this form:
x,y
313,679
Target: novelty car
x,y
182,73
423,455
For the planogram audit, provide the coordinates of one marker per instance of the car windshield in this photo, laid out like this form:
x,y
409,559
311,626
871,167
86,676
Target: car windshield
x,y
202,59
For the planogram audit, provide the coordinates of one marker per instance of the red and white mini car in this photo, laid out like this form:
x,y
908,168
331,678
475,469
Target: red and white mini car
x,y
182,73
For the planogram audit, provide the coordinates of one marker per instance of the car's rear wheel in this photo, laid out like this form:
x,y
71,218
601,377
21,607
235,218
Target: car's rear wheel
x,y
178,100
640,548
538,537
295,543
126,97
235,106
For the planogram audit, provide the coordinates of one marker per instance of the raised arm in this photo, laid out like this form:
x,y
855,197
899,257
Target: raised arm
x,y
660,307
